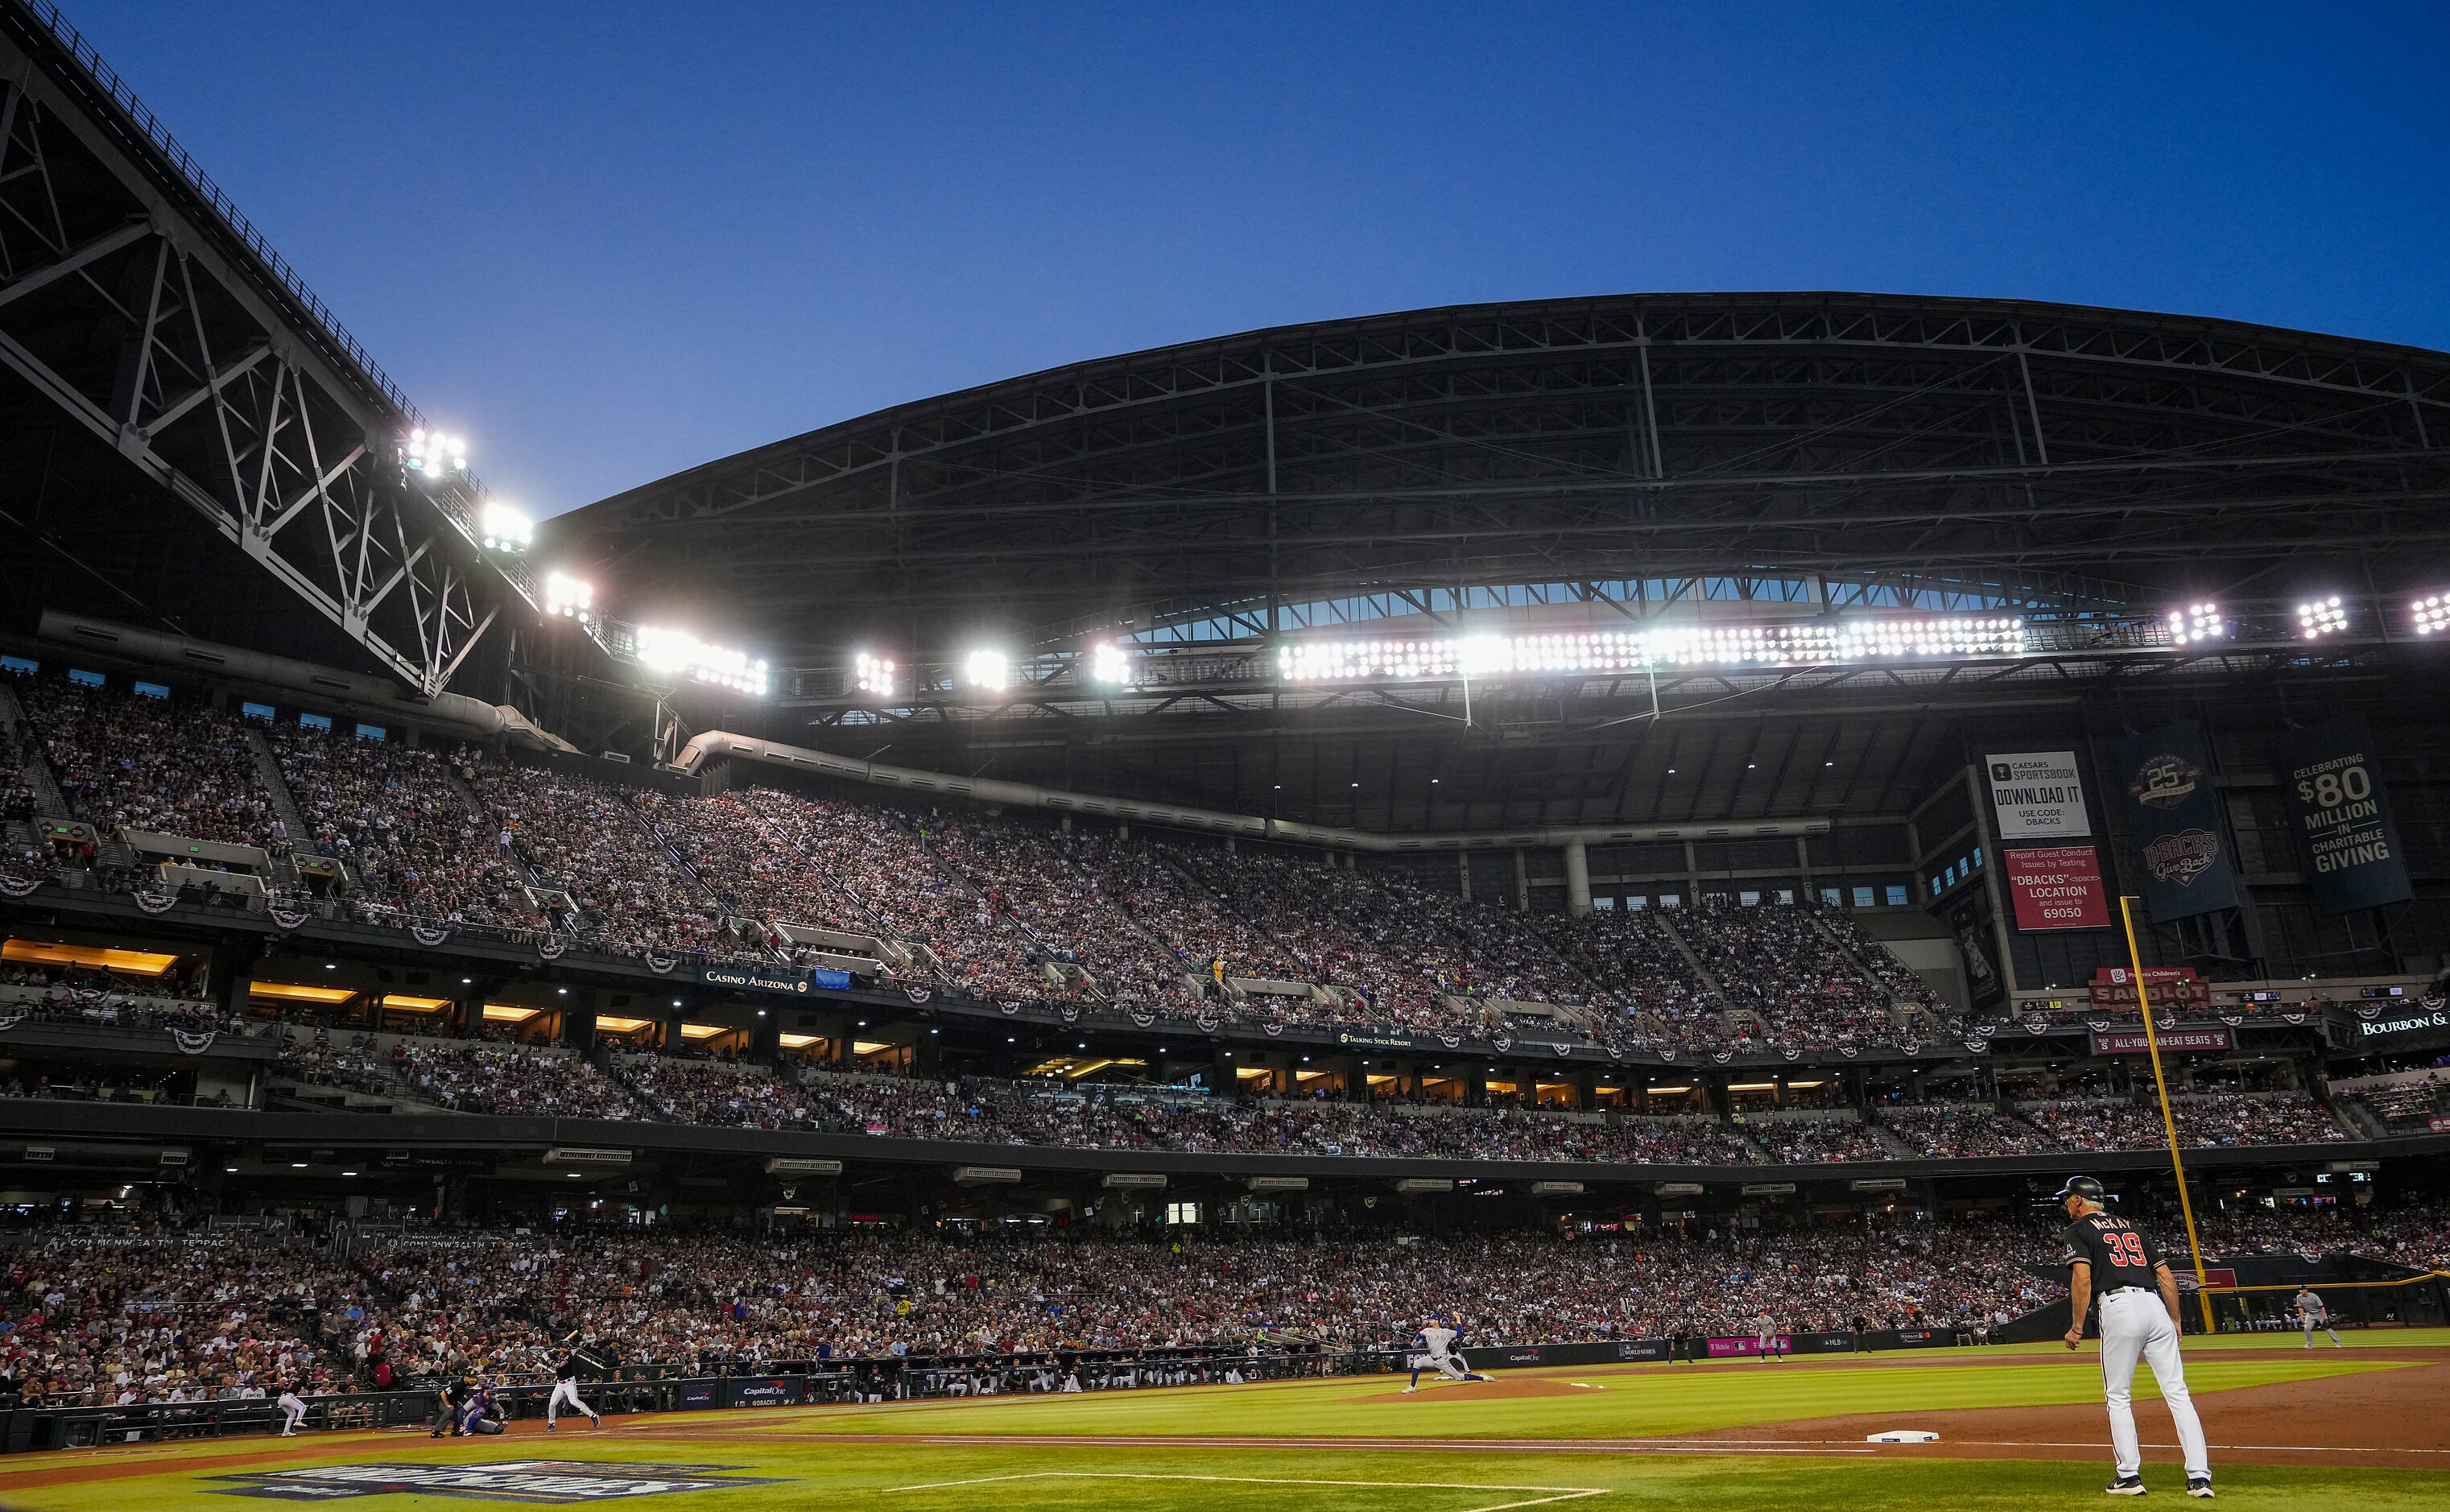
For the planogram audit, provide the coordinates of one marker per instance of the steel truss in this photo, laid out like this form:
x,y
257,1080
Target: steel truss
x,y
137,303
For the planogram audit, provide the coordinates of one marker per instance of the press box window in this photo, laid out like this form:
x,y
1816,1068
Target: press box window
x,y
151,690
321,721
1896,895
85,679
19,666
1182,1214
1862,898
372,733
261,712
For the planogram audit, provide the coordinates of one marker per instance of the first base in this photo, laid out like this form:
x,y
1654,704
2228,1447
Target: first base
x,y
1902,1436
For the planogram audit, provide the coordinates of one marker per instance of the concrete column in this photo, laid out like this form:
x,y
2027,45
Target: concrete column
x,y
1522,882
1462,875
1803,864
1578,879
1692,875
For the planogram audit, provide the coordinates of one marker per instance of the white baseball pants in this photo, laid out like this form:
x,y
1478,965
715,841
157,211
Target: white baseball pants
x,y
2134,1325
565,1394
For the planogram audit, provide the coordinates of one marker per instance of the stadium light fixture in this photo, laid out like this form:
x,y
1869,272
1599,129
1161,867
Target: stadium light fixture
x,y
434,454
1608,652
2197,622
505,528
2433,615
2319,618
872,675
1110,664
569,597
678,654
991,670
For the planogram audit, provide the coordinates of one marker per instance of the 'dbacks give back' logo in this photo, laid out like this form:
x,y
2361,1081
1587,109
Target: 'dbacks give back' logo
x,y
545,1482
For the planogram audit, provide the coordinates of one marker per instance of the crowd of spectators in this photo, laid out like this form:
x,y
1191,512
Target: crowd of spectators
x,y
1815,1141
355,1062
583,838
419,847
2203,1118
107,1000
98,1318
1105,1116
474,1076
173,767
1961,1130
1788,983
92,1317
2410,1105
726,1094
707,1300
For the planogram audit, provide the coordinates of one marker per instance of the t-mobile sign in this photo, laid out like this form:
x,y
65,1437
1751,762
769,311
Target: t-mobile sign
x,y
2057,887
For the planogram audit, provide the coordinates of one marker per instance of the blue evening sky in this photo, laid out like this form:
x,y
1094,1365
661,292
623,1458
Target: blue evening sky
x,y
609,242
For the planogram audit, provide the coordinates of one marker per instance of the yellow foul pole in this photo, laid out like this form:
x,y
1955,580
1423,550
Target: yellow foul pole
x,y
2168,1123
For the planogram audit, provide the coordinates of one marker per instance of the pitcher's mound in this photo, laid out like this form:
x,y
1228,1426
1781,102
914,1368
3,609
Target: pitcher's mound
x,y
1484,1390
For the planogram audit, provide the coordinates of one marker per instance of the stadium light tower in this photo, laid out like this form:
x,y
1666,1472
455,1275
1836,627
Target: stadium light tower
x,y
434,454
678,654
569,597
2433,615
988,671
2196,623
1110,664
2319,618
872,675
505,528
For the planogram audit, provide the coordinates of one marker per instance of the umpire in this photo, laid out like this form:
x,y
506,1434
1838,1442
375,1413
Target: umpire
x,y
2139,1317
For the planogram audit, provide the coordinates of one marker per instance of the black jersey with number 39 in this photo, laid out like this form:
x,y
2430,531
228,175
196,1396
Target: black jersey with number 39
x,y
2117,1251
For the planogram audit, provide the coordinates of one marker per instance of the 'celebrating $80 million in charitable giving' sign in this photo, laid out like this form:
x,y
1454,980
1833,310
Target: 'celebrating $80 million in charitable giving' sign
x,y
2337,806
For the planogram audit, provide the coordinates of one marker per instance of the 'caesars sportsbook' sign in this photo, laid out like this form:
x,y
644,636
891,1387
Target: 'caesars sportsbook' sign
x,y
2037,795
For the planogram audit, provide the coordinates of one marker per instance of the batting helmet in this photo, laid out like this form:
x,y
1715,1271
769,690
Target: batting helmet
x,y
2084,1187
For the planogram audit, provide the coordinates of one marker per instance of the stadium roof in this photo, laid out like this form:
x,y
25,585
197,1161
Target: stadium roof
x,y
2021,449
1556,465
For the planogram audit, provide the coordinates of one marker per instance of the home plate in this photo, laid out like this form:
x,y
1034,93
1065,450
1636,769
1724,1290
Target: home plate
x,y
1902,1436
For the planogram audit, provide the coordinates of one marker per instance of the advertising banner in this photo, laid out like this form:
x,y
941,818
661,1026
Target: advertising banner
x,y
1969,921
2057,887
1517,1356
2412,1026
764,1391
756,978
2175,989
2341,815
1919,1338
2174,813
2037,795
694,1394
1749,1345
2133,1043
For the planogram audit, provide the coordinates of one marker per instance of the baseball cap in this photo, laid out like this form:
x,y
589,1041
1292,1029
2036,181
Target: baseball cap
x,y
2084,1187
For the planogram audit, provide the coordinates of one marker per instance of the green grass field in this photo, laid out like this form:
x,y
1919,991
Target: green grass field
x,y
811,1457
